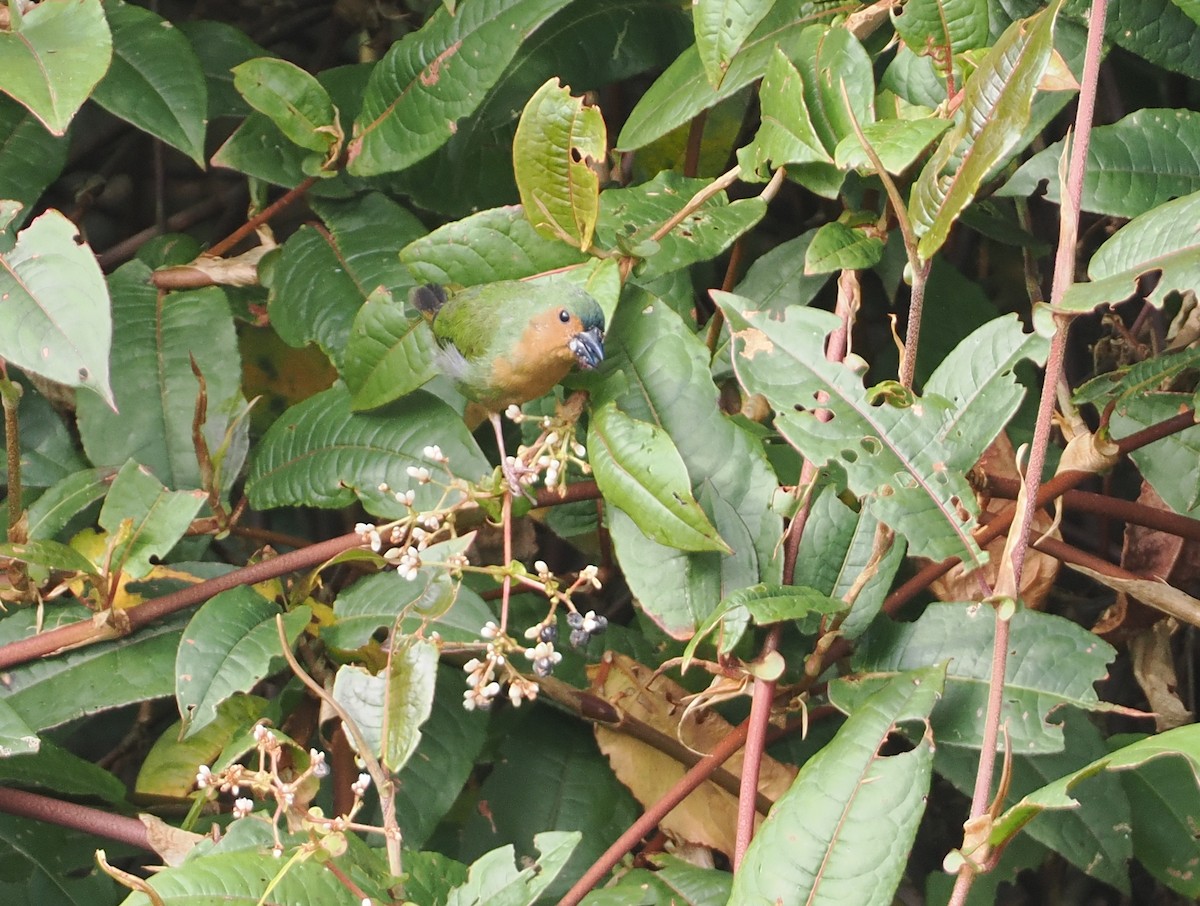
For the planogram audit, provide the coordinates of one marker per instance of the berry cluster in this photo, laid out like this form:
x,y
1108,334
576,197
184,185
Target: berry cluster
x,y
584,626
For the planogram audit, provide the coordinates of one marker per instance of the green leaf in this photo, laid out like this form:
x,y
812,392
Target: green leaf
x,y
833,60
1095,837
390,708
834,559
629,218
230,644
49,864
764,605
1151,246
1181,742
293,100
639,470
50,513
657,370
535,787
147,519
220,47
673,880
995,109
1136,164
897,143
1164,799
850,817
1129,384
487,247
892,455
169,768
558,142
1052,662
928,26
977,378
324,276
684,91
257,147
54,768
1159,31
837,247
389,353
52,56
56,302
451,741
49,554
436,75
155,81
244,877
155,341
321,453
30,157
777,281
1171,465
589,44
16,736
722,27
493,878
378,601
786,135
100,677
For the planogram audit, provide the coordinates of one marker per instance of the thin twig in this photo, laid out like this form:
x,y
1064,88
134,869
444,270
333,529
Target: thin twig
x,y
381,778
1012,563
261,217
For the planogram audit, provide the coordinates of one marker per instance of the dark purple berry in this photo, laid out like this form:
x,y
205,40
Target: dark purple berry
x,y
579,638
549,633
601,625
575,620
543,666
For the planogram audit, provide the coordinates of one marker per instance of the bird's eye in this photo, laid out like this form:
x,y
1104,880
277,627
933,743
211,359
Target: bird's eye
x,y
564,315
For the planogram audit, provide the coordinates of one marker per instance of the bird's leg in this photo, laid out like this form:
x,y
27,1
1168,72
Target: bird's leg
x,y
510,487
510,473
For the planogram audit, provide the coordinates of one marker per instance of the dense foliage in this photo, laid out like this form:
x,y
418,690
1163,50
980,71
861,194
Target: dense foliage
x,y
895,340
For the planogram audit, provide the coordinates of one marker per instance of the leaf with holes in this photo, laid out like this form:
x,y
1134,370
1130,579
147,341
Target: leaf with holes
x,y
850,817
55,302
1150,256
892,456
558,143
995,110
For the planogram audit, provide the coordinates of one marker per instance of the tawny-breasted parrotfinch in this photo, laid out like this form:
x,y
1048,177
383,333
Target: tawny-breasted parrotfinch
x,y
508,343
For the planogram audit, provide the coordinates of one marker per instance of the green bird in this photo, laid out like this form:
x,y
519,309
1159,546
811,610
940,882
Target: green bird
x,y
507,343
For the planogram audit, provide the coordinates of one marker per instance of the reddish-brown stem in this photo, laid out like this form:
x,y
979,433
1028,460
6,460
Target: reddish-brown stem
x,y
756,744
1009,581
1127,511
85,631
261,217
655,813
1055,487
130,831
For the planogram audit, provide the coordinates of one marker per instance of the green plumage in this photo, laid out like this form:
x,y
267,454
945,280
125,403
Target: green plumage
x,y
510,342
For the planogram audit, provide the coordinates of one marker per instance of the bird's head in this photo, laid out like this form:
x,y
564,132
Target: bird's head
x,y
574,324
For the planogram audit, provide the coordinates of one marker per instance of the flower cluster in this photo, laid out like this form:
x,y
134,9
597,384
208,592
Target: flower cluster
x,y
487,677
549,455
291,796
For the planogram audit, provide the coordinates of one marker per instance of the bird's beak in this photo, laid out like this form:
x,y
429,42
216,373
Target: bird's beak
x,y
588,347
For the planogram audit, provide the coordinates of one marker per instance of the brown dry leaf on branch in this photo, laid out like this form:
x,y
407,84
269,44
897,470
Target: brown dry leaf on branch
x,y
709,815
1040,571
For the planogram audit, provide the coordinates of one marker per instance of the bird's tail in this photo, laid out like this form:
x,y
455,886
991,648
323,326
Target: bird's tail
x,y
427,299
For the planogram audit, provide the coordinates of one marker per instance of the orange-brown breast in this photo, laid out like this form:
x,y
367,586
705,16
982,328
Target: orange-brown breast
x,y
538,361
